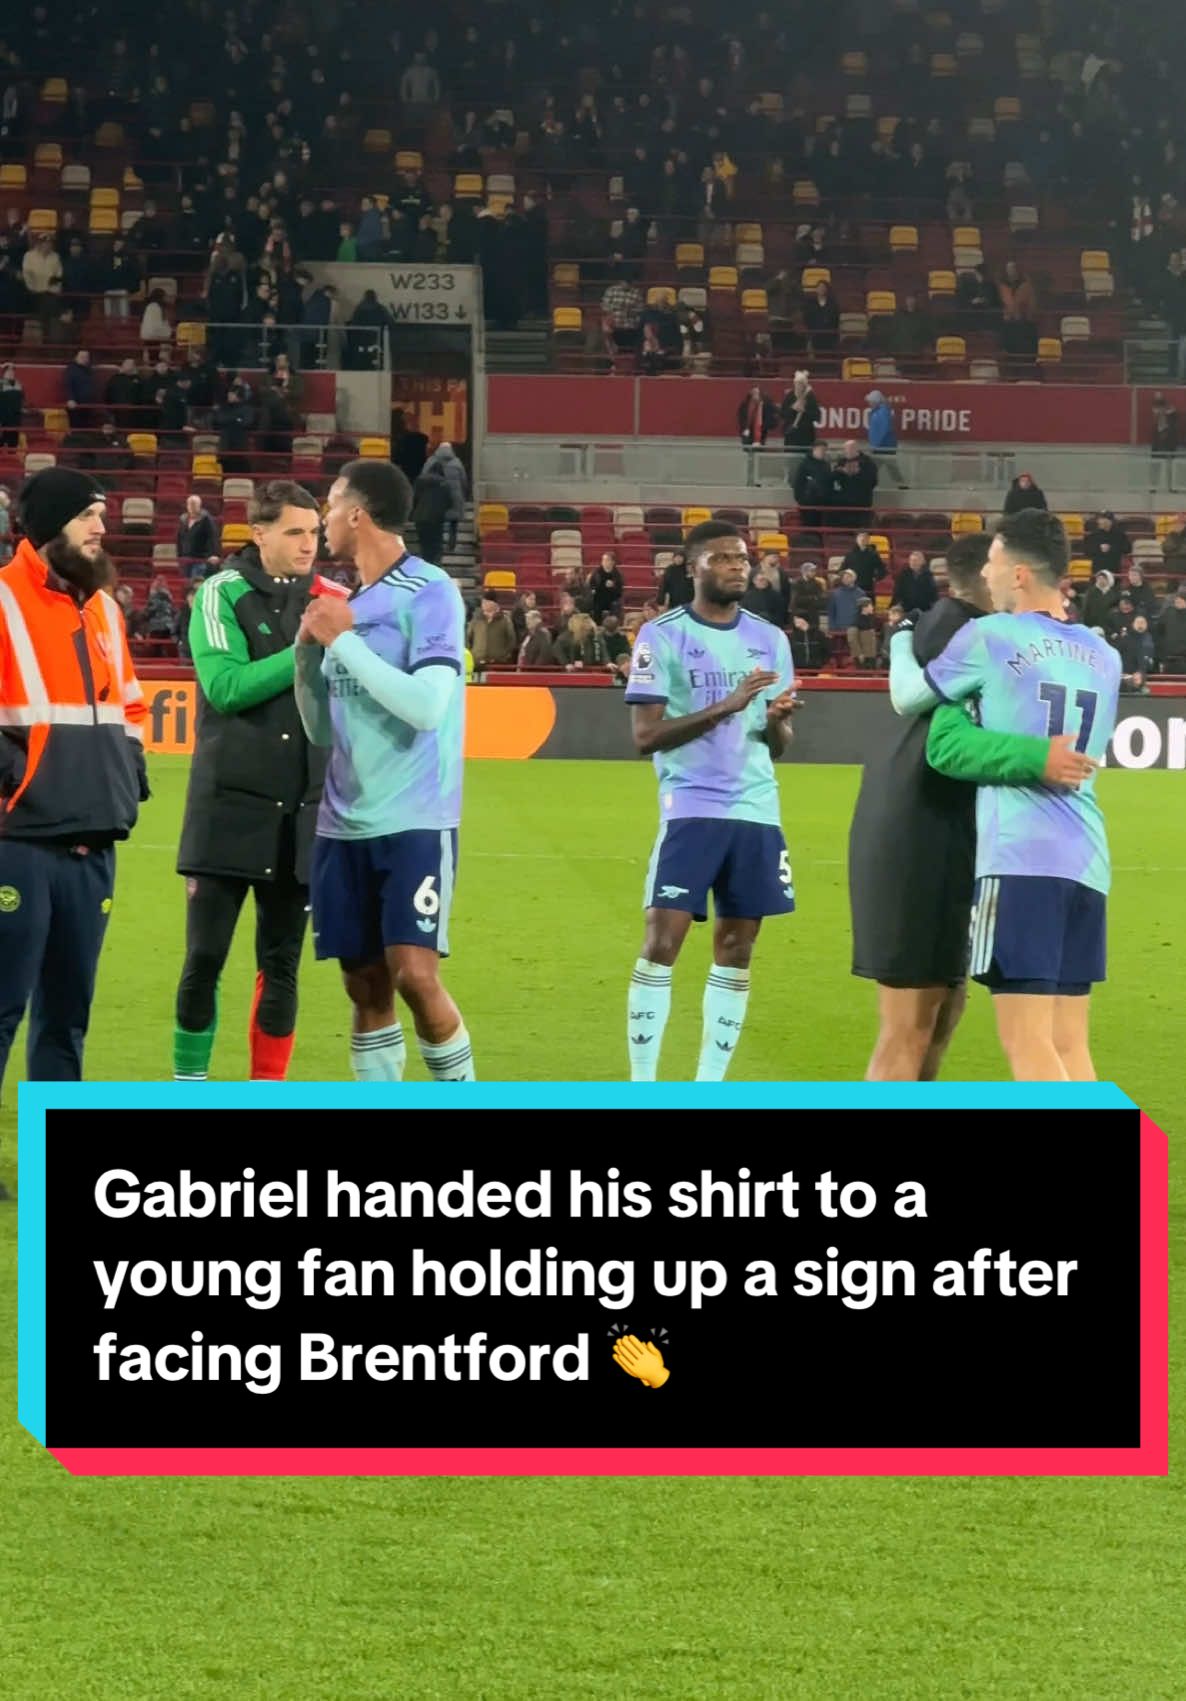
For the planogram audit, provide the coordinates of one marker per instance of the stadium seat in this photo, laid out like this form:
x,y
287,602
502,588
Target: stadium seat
x,y
238,489
1099,286
1075,328
55,90
565,557
47,156
1165,524
493,517
881,301
813,275
207,468
881,544
235,536
138,515
940,284
375,448
748,233
854,327
750,254
628,519
501,183
75,179
56,421
1006,109
143,444
969,45
1049,351
132,183
104,221
858,107
110,135
1015,174
887,126
13,177
951,349
1147,551
1022,219
1094,260
167,287
567,319
43,218
773,540
966,236
804,193
856,369
903,239
1073,525
376,142
754,301
566,275
944,65
771,102
984,372
409,159
689,256
467,186
500,579
191,333
855,64
661,295
694,517
566,537
694,296
723,277
164,557
963,524
38,461
1081,568
762,520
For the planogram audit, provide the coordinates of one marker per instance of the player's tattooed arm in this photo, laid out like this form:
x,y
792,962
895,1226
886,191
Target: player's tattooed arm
x,y
653,733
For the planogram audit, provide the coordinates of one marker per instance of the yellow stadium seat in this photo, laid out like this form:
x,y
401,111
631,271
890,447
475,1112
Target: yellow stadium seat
x,y
409,159
771,101
773,540
689,255
493,517
202,114
805,193
566,319
754,301
104,221
944,65
469,186
813,275
881,301
855,64
963,524
207,467
1073,525
661,295
1049,351
1165,524
748,233
142,442
566,275
104,198
110,135
500,579
965,236
951,349
43,218
856,367
1006,109
695,517
191,333
941,283
881,544
904,239
376,142
723,277
499,205
13,177
375,448
132,183
1094,260
47,156
887,126
235,535
1081,568
54,89
56,421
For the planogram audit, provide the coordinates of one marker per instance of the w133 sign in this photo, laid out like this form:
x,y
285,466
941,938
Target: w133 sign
x,y
857,1280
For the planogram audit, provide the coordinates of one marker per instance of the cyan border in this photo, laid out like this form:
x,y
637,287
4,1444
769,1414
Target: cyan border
x,y
30,1284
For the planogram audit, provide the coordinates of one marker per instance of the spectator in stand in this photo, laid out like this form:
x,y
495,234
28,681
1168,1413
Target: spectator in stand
x,y
155,328
234,421
580,645
41,270
764,598
565,609
126,599
821,320
844,602
1106,544
607,586
617,644
854,480
883,438
1101,599
121,394
119,279
911,332
536,648
807,596
621,315
1171,301
976,293
1138,655
368,337
1170,633
862,639
197,539
160,611
1173,544
864,560
675,587
1019,311
814,488
893,620
1166,437
430,506
757,417
419,90
77,276
801,414
1144,597
14,297
12,406
491,635
444,464
915,588
5,525
1024,493
1071,602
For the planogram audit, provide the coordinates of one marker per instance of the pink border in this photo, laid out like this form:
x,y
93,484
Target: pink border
x,y
1149,1458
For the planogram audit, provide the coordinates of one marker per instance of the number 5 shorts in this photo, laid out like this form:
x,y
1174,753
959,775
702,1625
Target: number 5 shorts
x,y
367,894
744,864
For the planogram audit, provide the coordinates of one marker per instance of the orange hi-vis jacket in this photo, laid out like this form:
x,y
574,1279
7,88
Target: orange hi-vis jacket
x,y
71,711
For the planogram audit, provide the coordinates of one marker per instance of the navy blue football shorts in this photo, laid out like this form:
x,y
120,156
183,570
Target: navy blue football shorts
x,y
745,865
367,894
1038,934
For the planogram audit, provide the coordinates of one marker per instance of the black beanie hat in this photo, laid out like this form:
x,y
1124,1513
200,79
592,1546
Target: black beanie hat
x,y
52,498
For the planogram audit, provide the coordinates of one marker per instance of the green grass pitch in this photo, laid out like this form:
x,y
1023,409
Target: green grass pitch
x,y
548,1590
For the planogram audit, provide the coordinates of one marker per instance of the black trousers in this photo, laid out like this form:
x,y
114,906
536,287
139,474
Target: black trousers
x,y
281,916
54,904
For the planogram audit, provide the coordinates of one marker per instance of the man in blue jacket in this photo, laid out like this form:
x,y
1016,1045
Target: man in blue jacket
x,y
883,439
